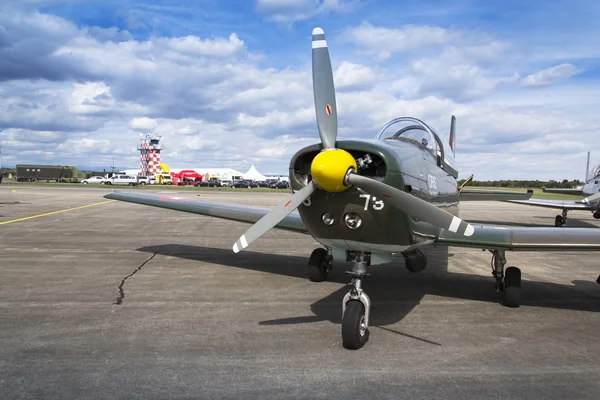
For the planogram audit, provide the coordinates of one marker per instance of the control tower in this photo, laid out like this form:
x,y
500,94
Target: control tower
x,y
149,154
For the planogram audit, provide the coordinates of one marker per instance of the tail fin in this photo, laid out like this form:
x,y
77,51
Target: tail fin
x,y
587,168
453,134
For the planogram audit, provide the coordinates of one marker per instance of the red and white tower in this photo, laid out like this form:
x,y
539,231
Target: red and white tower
x,y
149,154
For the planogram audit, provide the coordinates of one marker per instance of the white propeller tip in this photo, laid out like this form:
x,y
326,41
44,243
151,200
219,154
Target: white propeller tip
x,y
236,249
318,31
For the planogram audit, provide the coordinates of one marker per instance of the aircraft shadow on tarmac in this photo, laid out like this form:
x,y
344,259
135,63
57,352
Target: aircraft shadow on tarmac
x,y
394,291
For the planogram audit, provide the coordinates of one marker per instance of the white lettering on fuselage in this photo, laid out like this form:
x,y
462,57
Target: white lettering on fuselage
x,y
432,184
377,205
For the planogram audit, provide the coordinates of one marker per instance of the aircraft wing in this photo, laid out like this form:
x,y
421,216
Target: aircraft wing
x,y
232,212
563,191
492,195
559,204
525,239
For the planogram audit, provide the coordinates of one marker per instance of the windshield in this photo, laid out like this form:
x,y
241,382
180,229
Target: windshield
x,y
408,128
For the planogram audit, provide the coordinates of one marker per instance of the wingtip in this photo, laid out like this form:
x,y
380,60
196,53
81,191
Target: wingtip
x,y
318,31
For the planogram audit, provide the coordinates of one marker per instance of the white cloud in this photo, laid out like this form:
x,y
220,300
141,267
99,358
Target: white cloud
x,y
350,76
287,11
551,75
382,41
81,96
143,124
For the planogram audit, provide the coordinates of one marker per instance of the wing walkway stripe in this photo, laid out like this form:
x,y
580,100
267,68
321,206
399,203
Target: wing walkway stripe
x,y
55,212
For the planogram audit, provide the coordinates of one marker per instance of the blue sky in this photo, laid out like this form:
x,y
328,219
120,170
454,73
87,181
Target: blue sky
x,y
228,84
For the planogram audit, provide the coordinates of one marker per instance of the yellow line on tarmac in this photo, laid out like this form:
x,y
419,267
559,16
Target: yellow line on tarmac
x,y
55,212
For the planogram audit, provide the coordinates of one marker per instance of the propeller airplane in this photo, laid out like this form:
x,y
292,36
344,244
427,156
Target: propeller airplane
x,y
591,201
364,200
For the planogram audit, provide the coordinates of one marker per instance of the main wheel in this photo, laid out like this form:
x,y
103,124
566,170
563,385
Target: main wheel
x,y
558,221
317,264
512,287
354,331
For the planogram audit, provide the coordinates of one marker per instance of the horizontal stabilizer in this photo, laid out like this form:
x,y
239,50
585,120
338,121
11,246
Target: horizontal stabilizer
x,y
492,195
563,191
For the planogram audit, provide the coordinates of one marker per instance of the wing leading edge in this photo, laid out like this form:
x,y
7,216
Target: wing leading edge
x,y
232,212
558,204
525,239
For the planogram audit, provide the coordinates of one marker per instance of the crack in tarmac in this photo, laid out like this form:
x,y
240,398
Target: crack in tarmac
x,y
121,289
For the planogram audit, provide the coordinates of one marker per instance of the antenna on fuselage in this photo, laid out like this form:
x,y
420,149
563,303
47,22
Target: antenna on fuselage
x,y
453,134
587,168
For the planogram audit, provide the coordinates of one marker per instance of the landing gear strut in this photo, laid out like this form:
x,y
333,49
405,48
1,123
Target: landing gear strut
x,y
319,264
560,220
507,282
356,306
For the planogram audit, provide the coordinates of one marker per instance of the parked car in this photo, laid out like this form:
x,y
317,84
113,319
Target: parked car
x,y
264,184
212,182
282,185
94,179
130,180
226,183
245,184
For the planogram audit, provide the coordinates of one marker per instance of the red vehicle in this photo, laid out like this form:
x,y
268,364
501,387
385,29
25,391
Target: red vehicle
x,y
186,177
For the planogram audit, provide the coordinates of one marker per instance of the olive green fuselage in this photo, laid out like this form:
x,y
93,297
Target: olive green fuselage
x,y
404,164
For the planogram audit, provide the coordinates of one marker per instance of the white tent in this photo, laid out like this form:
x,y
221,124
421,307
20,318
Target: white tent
x,y
254,175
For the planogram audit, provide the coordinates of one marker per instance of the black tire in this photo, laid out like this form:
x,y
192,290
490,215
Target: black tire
x,y
131,183
558,221
512,287
353,337
317,265
142,183
85,183
108,183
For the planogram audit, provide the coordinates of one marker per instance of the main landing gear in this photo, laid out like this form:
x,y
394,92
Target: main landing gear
x,y
319,265
560,220
507,282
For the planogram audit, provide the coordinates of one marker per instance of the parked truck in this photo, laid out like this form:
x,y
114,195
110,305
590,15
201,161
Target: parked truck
x,y
57,173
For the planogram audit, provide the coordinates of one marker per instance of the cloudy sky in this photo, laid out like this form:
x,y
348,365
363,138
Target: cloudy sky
x,y
228,83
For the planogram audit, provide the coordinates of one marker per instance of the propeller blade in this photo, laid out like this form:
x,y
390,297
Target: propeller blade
x,y
412,205
272,218
323,90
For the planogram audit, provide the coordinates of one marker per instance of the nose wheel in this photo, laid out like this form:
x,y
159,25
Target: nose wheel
x,y
356,307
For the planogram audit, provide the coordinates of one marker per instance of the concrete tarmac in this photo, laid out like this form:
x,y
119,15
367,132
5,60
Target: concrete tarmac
x,y
123,301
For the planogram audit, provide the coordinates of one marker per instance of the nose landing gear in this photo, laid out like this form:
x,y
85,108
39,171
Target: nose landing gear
x,y
356,306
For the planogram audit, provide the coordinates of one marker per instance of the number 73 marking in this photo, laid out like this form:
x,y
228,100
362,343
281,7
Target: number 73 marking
x,y
376,204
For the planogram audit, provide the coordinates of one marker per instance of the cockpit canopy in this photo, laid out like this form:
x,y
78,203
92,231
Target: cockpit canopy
x,y
409,128
413,129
